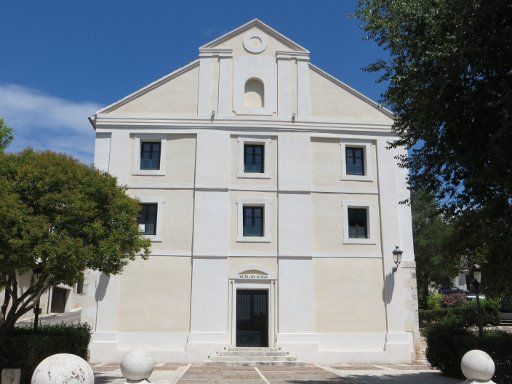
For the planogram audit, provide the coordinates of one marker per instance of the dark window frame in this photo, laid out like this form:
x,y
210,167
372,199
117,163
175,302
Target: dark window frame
x,y
357,223
143,218
250,220
151,155
353,154
254,162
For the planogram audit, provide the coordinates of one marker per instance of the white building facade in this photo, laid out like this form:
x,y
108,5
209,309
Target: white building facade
x,y
272,202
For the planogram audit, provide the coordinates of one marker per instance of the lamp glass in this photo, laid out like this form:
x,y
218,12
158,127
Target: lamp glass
x,y
478,276
397,255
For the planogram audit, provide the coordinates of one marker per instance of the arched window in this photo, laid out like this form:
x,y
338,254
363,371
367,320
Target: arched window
x,y
254,93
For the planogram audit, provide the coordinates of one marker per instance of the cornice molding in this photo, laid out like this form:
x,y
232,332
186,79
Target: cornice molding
x,y
248,124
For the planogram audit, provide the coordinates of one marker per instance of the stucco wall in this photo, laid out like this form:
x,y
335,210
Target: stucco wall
x,y
326,159
177,96
180,157
154,295
255,183
328,224
349,295
329,100
176,221
236,263
236,246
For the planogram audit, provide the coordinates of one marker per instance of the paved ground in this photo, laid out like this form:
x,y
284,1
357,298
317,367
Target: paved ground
x,y
311,374
57,318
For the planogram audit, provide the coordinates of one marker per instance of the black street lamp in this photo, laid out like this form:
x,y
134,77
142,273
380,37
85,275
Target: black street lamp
x,y
397,257
37,310
477,275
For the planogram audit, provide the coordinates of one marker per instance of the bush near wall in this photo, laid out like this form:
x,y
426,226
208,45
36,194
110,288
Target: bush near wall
x,y
25,349
448,340
468,313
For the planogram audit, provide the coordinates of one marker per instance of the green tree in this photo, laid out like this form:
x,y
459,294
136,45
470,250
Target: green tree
x,y
436,263
5,135
448,66
64,217
450,87
485,236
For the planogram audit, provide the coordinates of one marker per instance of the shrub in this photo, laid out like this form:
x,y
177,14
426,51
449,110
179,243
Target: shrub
x,y
490,312
454,300
448,340
468,313
25,349
434,301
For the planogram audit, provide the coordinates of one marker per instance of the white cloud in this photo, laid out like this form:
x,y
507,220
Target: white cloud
x,y
42,122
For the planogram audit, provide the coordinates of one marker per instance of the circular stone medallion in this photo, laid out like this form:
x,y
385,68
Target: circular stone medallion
x,y
255,42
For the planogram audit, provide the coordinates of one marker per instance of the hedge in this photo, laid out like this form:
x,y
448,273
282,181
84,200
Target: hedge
x,y
25,349
448,340
468,313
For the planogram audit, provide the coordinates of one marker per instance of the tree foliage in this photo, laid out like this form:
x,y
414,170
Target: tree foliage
x,y
449,70
64,216
435,262
5,135
450,87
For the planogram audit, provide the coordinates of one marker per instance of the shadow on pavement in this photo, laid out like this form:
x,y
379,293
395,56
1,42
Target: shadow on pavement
x,y
399,378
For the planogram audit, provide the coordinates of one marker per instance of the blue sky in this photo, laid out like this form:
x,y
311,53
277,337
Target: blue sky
x,y
61,60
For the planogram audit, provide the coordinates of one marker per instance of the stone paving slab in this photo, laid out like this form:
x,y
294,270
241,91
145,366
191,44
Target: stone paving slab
x,y
357,367
111,374
310,374
298,368
215,381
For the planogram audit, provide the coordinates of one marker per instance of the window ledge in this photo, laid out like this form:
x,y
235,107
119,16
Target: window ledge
x,y
359,241
356,178
155,172
153,238
253,239
255,175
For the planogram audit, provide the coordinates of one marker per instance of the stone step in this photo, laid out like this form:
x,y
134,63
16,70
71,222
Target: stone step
x,y
253,358
252,353
252,349
257,363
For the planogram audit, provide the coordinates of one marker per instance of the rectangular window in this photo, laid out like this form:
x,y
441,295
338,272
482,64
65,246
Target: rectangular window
x,y
253,221
149,155
254,158
354,158
80,286
147,218
357,223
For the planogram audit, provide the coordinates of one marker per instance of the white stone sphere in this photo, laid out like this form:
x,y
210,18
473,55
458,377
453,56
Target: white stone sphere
x,y
63,368
137,365
477,365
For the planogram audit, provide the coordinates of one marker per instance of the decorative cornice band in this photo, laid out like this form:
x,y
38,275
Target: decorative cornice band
x,y
215,52
239,124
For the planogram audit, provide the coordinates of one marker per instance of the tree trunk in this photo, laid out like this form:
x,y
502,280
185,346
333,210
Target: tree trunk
x,y
20,305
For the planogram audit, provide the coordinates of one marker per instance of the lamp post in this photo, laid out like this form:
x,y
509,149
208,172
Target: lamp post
x,y
37,310
397,257
477,279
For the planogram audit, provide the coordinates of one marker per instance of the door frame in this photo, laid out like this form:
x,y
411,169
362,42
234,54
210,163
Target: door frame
x,y
253,284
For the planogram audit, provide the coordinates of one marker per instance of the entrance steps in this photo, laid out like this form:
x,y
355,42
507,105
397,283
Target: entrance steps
x,y
253,356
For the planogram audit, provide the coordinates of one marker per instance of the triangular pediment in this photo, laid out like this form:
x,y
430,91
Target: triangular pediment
x,y
231,39
214,86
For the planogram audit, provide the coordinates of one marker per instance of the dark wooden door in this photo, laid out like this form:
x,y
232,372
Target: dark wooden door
x,y
59,298
252,318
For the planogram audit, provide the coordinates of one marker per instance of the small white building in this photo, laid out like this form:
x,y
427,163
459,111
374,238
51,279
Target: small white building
x,y
272,203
